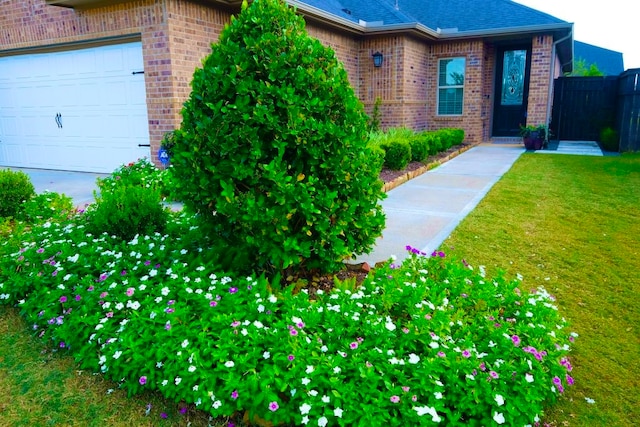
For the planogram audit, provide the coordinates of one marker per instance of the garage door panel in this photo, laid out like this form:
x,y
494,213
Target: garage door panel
x,y
102,107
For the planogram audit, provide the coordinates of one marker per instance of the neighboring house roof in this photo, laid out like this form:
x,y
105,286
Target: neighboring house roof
x,y
608,61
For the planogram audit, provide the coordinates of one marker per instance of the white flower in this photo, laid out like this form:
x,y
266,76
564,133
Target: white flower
x,y
192,368
185,343
590,400
117,354
337,412
309,369
244,332
499,399
103,360
266,355
305,420
135,305
434,344
159,365
305,408
273,299
261,308
165,291
216,404
73,258
498,417
195,387
324,349
414,358
322,422
422,410
305,381
390,326
178,380
258,324
229,364
337,369
313,393
528,378
326,399
165,382
438,395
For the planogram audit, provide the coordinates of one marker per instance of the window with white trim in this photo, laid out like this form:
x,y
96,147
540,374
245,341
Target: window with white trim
x,y
450,86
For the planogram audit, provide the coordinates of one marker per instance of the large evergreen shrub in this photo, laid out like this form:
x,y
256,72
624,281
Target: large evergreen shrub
x,y
15,189
272,151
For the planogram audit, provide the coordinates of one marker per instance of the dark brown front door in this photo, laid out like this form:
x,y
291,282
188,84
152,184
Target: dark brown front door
x,y
512,89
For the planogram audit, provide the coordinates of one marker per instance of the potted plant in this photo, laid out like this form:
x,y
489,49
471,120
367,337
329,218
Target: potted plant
x,y
533,136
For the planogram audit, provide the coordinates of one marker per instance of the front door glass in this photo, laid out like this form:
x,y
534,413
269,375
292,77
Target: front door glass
x,y
513,74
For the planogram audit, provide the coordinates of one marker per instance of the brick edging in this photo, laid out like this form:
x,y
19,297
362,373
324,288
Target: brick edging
x,y
412,174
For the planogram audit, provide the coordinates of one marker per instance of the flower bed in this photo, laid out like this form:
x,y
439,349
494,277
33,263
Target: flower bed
x,y
432,341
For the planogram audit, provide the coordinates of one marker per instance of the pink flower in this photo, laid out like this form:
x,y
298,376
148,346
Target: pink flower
x,y
405,389
130,291
353,345
104,294
63,299
291,357
273,406
142,380
293,331
395,399
570,379
234,394
213,303
466,354
441,354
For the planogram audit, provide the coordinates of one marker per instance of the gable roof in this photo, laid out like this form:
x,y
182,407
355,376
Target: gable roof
x,y
608,61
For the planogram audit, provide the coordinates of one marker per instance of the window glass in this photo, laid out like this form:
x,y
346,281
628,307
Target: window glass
x,y
450,86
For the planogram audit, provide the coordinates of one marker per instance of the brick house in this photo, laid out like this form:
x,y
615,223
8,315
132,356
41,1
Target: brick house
x,y
89,84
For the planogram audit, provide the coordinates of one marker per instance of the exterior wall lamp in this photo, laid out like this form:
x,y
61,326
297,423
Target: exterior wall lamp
x,y
377,59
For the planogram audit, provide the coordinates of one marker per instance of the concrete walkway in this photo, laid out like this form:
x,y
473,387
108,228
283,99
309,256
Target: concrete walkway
x,y
582,148
425,210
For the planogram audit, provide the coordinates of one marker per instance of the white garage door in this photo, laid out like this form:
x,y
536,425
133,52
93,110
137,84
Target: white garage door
x,y
79,110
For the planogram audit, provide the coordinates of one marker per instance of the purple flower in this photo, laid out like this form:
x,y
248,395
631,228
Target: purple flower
x,y
291,357
516,340
557,381
55,273
234,394
235,324
273,406
353,345
171,302
123,273
63,299
167,326
169,310
293,331
142,380
90,288
78,297
213,303
163,415
466,354
494,375
441,354
233,290
40,250
570,379
183,410
147,262
395,399
62,344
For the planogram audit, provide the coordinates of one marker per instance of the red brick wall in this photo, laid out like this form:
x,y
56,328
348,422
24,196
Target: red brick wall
x,y
345,47
537,108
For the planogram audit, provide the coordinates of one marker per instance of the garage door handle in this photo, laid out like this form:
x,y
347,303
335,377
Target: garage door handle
x,y
137,72
144,145
59,120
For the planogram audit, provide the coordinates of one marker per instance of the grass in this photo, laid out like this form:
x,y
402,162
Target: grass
x,y
572,224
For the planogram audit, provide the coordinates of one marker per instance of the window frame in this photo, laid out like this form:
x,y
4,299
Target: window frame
x,y
440,88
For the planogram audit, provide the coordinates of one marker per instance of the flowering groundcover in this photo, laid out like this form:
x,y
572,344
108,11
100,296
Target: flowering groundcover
x,y
428,342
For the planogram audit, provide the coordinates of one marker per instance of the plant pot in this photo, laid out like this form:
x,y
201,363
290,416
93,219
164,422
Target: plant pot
x,y
532,143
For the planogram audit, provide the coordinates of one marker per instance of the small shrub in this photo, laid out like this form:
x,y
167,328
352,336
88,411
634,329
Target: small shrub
x,y
15,189
419,147
127,211
610,140
397,153
46,206
141,173
435,143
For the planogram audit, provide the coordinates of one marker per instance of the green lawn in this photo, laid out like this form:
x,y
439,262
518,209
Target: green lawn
x,y
572,224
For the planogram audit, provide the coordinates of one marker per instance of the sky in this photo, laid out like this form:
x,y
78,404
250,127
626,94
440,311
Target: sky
x,y
610,24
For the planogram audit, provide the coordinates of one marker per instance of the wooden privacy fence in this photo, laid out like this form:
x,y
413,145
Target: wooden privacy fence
x,y
584,106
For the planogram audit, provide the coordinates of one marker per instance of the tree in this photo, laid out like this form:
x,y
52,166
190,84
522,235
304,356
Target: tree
x,y
272,152
582,69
